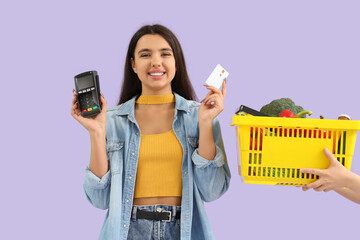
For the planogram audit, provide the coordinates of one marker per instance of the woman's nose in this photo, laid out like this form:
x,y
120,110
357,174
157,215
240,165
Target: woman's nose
x,y
156,61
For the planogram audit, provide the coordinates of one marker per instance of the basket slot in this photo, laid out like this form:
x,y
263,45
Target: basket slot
x,y
260,157
300,133
341,160
342,142
291,184
335,146
339,142
327,134
317,133
270,132
284,132
255,158
256,138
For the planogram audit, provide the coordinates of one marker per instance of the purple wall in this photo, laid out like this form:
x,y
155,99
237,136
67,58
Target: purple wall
x,y
306,50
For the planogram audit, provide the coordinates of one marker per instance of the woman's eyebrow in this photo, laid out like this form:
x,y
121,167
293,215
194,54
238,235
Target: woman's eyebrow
x,y
144,50
166,49
149,50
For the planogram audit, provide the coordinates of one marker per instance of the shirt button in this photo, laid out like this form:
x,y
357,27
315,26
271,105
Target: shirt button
x,y
133,154
124,225
137,133
130,177
127,200
185,219
185,173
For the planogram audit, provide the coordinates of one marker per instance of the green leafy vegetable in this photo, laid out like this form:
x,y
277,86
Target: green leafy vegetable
x,y
274,108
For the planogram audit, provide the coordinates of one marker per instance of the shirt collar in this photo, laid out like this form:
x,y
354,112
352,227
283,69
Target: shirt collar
x,y
128,108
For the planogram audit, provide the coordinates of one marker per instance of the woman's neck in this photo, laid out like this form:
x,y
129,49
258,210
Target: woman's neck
x,y
155,102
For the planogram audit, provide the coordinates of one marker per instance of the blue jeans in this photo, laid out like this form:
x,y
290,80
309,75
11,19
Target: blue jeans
x,y
144,229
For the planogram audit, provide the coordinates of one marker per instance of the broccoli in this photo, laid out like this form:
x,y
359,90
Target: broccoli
x,y
274,108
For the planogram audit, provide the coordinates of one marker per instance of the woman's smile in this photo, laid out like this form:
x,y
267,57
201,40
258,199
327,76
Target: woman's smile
x,y
156,74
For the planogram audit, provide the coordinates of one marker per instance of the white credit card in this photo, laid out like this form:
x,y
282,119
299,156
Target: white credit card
x,y
217,76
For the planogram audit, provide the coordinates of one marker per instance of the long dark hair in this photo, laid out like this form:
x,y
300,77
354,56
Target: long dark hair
x,y
180,84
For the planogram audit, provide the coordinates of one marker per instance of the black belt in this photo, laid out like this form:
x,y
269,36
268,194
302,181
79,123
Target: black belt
x,y
164,216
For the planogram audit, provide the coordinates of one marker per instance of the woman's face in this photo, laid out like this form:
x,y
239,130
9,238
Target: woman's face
x,y
154,63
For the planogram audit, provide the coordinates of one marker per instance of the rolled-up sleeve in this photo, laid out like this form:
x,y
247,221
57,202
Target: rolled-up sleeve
x,y
212,177
97,189
201,162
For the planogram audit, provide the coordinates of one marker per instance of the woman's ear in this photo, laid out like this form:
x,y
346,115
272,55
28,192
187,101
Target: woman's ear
x,y
133,64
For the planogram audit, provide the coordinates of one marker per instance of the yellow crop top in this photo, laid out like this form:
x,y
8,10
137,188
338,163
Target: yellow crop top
x,y
160,159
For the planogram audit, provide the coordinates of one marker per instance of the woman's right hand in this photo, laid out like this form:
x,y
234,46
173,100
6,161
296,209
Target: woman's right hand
x,y
92,124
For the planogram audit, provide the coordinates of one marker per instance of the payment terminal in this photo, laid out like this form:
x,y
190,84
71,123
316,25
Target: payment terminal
x,y
88,93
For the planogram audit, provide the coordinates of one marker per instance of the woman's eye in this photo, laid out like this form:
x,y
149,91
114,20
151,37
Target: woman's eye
x,y
145,55
166,54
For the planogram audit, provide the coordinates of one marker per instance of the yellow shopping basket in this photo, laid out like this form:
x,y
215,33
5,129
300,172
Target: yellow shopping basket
x,y
272,150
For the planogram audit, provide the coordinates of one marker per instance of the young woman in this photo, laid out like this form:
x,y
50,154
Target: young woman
x,y
159,154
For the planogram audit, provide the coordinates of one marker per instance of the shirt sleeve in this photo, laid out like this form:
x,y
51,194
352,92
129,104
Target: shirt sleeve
x,y
212,177
97,189
201,162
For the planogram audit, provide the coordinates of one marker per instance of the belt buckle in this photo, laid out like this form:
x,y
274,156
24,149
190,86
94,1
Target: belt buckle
x,y
169,219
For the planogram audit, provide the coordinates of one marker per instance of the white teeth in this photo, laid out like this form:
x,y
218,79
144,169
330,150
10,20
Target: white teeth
x,y
156,74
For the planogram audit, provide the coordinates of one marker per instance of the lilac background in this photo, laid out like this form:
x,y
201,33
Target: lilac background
x,y
306,50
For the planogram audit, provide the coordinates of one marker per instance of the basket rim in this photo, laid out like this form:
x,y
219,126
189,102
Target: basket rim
x,y
295,122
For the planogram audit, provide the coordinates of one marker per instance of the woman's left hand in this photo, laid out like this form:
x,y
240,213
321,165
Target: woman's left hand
x,y
213,104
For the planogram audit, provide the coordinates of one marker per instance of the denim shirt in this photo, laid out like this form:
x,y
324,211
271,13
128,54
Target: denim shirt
x,y
202,180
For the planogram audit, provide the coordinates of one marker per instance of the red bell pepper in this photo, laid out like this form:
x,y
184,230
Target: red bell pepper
x,y
287,113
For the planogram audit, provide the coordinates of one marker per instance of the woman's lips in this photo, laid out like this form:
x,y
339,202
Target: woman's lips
x,y
156,75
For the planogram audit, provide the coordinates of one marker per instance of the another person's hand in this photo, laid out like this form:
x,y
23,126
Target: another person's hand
x,y
332,178
213,104
92,124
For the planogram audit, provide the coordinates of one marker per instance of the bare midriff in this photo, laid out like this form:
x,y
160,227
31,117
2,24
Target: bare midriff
x,y
171,201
